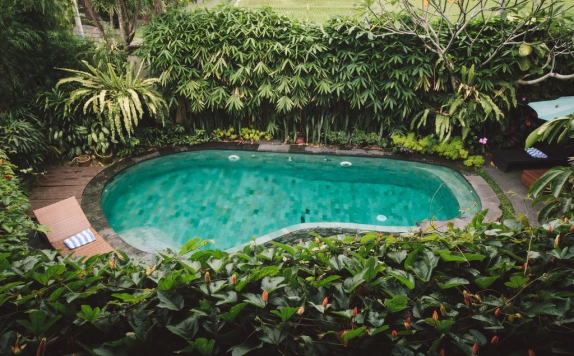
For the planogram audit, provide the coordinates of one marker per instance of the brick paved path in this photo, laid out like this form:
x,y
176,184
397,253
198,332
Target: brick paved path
x,y
60,183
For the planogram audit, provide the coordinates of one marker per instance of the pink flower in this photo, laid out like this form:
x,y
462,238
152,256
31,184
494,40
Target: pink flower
x,y
483,141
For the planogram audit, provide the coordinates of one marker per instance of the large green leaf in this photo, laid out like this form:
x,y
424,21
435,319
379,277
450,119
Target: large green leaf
x,y
170,300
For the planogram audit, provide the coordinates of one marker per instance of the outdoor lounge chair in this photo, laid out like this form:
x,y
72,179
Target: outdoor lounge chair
x,y
506,159
66,219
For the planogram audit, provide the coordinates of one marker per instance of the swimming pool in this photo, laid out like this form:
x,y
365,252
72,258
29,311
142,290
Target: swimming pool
x,y
232,196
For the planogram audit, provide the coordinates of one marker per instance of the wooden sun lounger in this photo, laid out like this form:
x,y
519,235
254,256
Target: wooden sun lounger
x,y
65,219
506,159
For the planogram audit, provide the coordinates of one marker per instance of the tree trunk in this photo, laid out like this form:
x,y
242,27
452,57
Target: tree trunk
x,y
78,20
95,17
127,28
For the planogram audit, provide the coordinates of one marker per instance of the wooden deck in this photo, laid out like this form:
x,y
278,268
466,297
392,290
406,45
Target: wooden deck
x,y
59,183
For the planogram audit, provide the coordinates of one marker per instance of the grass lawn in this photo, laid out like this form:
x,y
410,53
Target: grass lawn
x,y
319,10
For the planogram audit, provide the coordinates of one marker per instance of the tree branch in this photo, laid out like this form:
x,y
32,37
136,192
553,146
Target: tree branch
x,y
544,77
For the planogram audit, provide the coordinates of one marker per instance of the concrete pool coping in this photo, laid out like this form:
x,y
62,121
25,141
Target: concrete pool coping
x,y
92,195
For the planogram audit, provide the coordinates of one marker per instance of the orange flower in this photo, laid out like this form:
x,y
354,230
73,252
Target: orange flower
x,y
41,348
301,311
207,277
435,316
466,298
265,296
407,325
355,312
443,310
557,241
325,302
233,279
113,263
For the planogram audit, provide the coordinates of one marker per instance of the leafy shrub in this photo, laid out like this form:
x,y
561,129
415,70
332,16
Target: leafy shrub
x,y
155,137
338,138
22,139
219,134
555,189
452,148
474,161
360,138
14,221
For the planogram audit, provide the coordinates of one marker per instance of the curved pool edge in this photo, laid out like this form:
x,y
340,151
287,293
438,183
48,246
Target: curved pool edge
x,y
92,195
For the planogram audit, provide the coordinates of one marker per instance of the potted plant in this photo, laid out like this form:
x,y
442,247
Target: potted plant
x,y
83,160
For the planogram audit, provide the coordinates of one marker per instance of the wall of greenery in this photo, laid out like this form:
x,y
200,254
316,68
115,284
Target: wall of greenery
x,y
234,68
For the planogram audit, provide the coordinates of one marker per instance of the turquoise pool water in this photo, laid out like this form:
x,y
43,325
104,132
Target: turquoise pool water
x,y
165,201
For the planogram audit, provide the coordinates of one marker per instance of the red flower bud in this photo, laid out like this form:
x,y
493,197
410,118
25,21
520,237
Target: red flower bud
x,y
523,267
355,312
9,177
550,228
265,296
442,352
435,316
475,348
497,312
408,319
325,302
531,353
394,334
572,228
494,340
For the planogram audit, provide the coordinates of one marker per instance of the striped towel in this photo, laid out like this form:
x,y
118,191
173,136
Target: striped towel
x,y
79,239
536,153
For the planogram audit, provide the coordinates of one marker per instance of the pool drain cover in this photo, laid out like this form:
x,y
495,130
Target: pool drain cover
x,y
346,164
233,158
381,217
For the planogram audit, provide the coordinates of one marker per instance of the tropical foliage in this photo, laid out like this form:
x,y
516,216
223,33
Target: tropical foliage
x,y
233,67
118,95
238,68
22,137
452,148
15,224
556,187
34,40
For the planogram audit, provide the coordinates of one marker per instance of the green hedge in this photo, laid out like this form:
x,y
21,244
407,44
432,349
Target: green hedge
x,y
233,67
